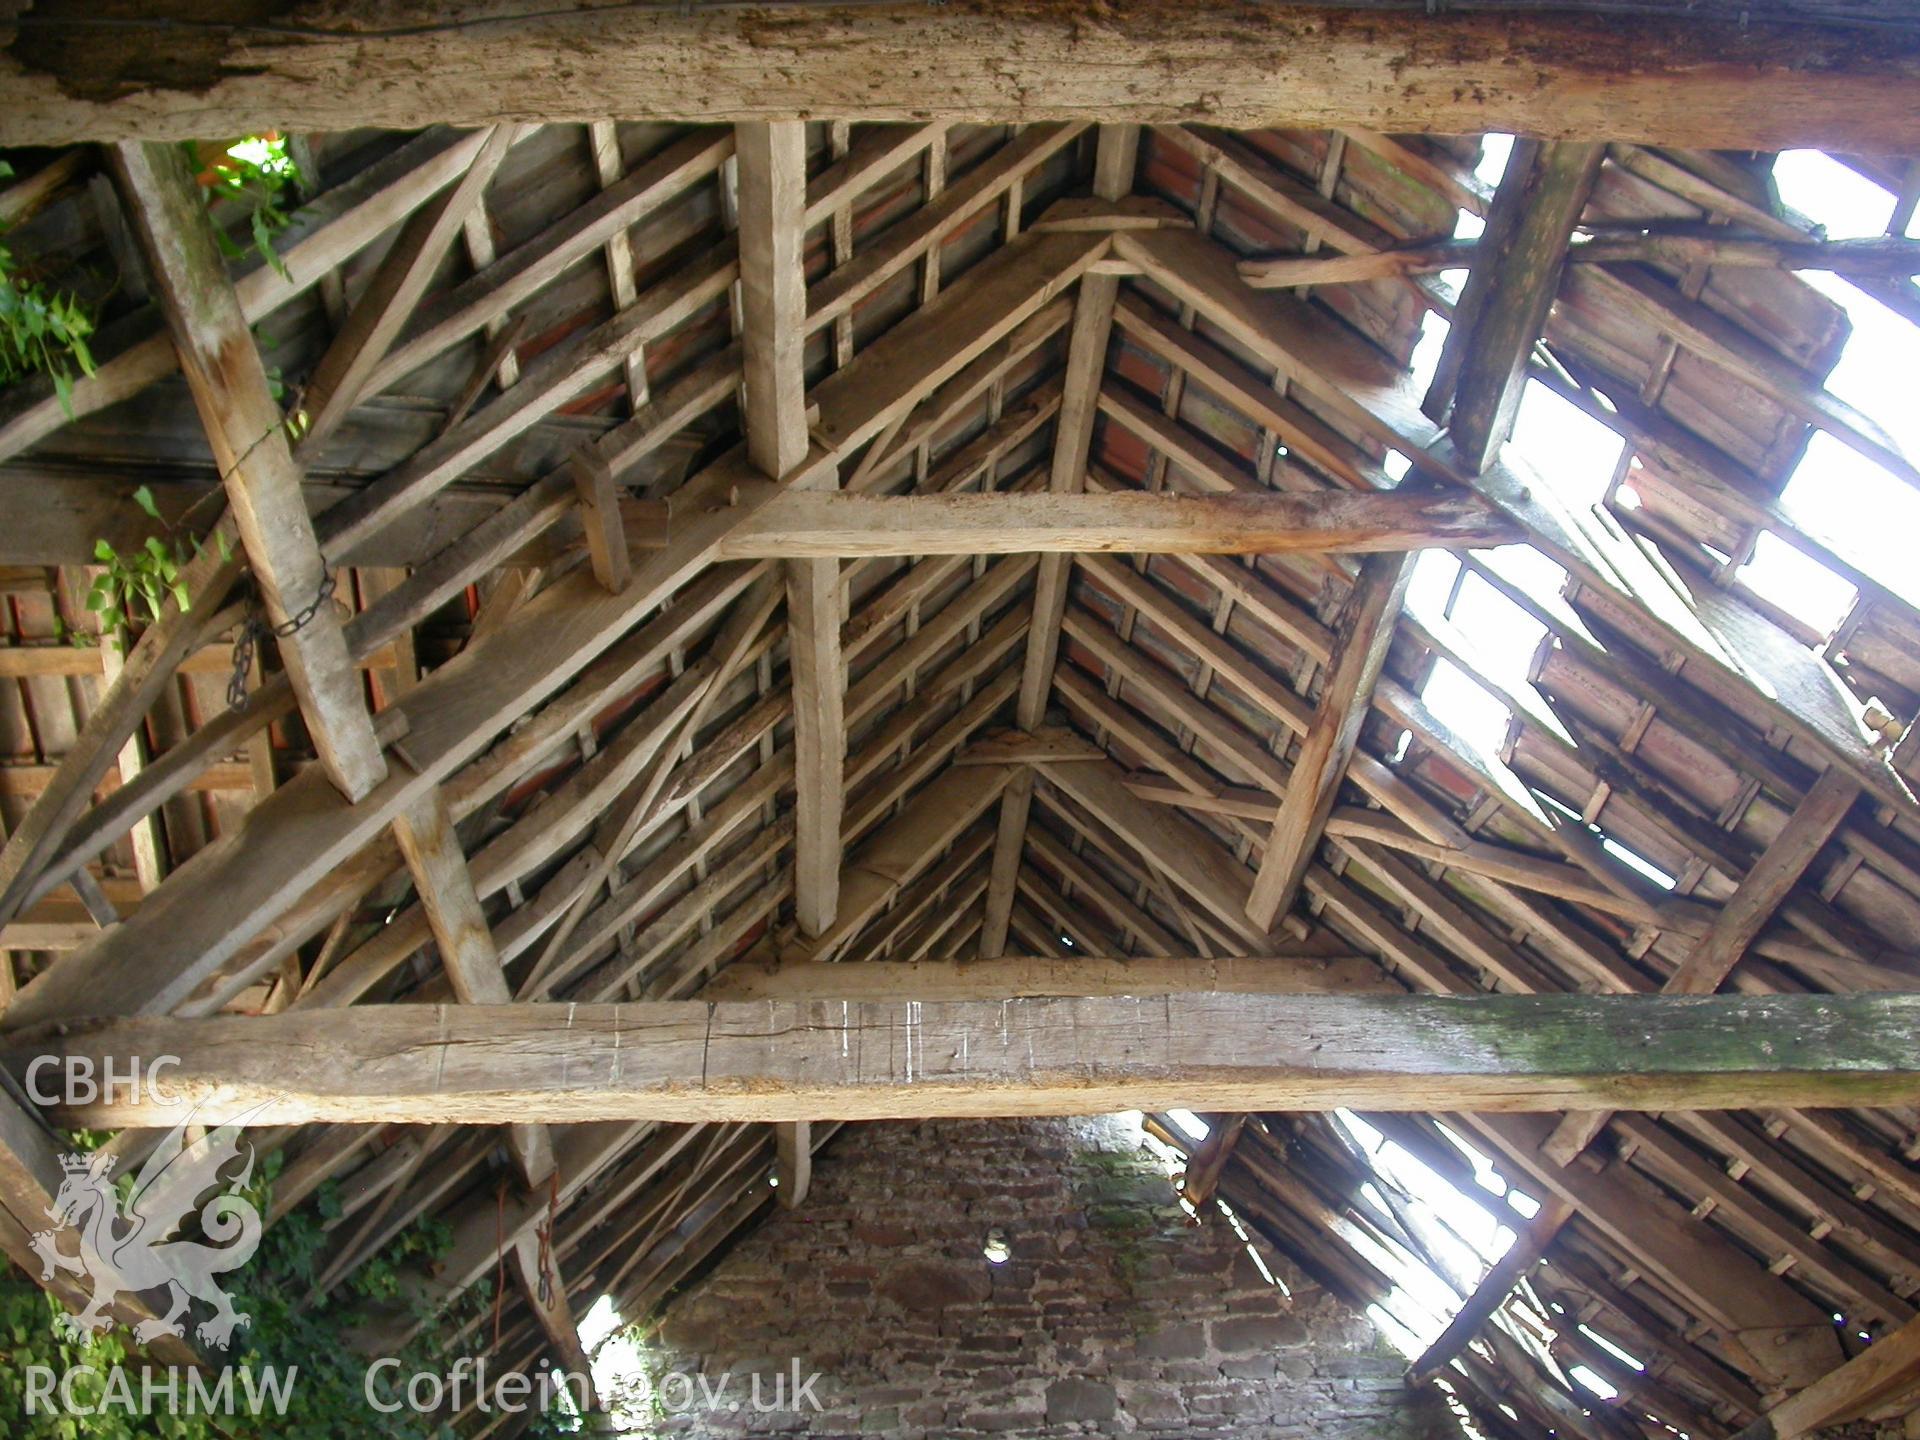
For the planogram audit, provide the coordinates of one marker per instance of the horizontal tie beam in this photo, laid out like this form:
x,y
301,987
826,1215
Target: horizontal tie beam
x,y
687,1061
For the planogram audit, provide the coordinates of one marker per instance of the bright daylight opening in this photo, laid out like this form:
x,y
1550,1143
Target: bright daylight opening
x,y
1864,514
1435,1238
619,1369
1838,498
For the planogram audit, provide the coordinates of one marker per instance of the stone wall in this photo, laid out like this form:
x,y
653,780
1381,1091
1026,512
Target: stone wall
x,y
1114,1314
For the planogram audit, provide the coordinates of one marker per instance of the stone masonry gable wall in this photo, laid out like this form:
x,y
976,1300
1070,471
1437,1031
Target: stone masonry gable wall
x,y
1115,1315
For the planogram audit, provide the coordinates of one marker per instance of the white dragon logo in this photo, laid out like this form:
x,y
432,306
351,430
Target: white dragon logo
x,y
129,1247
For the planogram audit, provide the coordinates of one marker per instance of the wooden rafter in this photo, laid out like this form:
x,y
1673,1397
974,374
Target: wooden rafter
x,y
251,446
1739,923
1477,385
1361,641
1495,1286
541,1283
390,297
1176,849
1115,159
460,930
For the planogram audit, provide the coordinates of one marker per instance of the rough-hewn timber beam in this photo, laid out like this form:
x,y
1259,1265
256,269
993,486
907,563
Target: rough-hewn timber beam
x,y
1510,287
1361,641
1024,975
839,523
250,443
1890,258
1116,156
773,292
1722,76
1880,1372
777,1060
1740,921
432,851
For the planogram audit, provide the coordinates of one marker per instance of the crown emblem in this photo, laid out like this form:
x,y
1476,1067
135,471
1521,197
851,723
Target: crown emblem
x,y
76,1164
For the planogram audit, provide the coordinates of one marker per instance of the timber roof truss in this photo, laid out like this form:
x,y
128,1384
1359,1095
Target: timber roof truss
x,y
862,562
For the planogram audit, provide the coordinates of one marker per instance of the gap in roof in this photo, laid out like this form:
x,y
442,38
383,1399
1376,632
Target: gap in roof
x,y
620,1374
1623,853
1464,1234
1859,510
1855,506
1496,637
1798,584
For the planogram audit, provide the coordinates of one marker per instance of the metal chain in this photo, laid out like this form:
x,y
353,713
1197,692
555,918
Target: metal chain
x,y
255,628
545,1232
